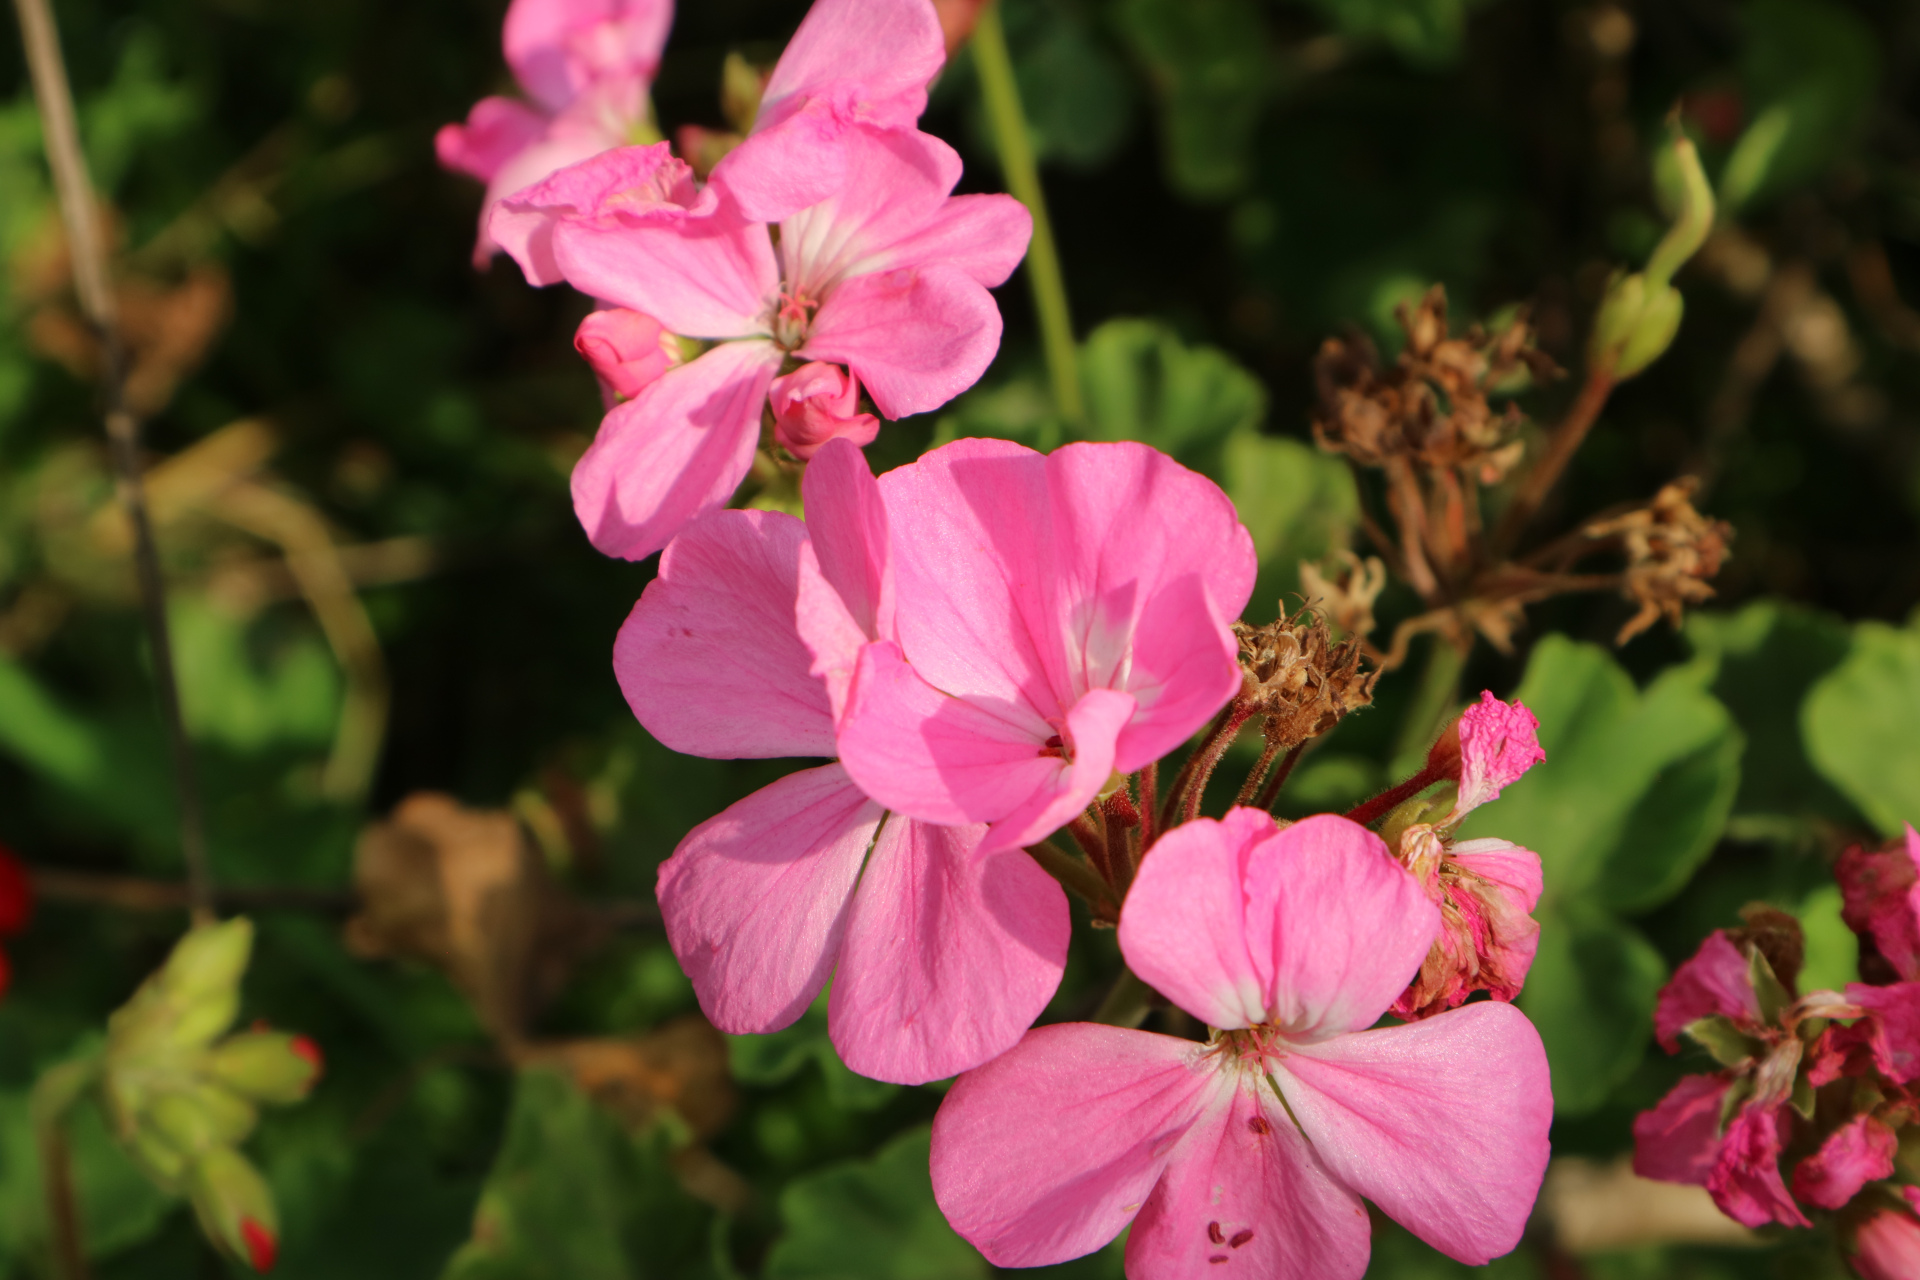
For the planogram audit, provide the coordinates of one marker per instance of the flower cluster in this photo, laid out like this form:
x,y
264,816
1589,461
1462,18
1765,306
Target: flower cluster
x,y
1823,1082
989,647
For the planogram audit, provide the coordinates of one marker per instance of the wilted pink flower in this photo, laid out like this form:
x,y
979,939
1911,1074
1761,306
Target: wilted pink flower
x,y
587,65
1726,1131
1485,890
817,403
1885,1244
852,66
626,349
940,956
889,277
1880,891
1252,1151
1059,619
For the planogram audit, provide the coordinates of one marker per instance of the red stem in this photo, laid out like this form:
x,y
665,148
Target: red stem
x,y
1368,812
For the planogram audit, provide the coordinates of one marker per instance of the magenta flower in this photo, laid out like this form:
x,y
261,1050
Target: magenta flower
x,y
940,955
1880,890
1059,619
889,277
587,66
1885,1243
1252,1151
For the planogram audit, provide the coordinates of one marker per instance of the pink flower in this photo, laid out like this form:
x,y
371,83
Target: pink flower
x,y
1885,1245
1880,889
587,65
817,403
1060,619
940,955
628,351
1251,1152
1485,890
853,66
888,277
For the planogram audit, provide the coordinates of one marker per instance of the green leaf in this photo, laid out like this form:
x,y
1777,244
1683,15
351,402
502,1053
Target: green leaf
x,y
1297,502
1811,71
871,1220
1207,61
1768,655
1636,786
780,1055
233,695
1077,95
1424,32
1833,950
1143,383
1859,724
572,1196
1590,993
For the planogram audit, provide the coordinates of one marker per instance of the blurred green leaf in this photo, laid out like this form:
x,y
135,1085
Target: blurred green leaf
x,y
1767,656
119,1205
1143,383
871,1220
1636,786
1297,502
1859,724
1590,993
1424,32
1208,63
1833,950
229,695
1811,71
780,1055
573,1196
1077,95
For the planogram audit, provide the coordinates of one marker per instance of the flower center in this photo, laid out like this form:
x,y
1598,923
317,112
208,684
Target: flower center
x,y
792,318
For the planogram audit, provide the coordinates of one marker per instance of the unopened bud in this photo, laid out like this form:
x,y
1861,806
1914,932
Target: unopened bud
x,y
1641,312
628,350
267,1066
741,85
816,403
235,1207
209,959
1881,1237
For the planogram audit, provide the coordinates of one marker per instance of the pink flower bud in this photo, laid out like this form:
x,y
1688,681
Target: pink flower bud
x,y
1886,1245
816,403
627,349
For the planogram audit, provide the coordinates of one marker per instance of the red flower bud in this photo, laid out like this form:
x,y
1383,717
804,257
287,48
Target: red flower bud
x,y
627,349
814,404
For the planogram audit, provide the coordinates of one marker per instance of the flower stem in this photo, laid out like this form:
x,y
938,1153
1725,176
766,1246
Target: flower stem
x,y
1073,874
54,1095
1128,1004
1008,122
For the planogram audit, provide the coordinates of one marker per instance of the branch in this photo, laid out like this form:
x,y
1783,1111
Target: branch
x,y
1561,446
91,281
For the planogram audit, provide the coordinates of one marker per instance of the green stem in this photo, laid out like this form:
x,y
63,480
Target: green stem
x,y
1009,124
54,1095
1073,874
1439,686
1128,1004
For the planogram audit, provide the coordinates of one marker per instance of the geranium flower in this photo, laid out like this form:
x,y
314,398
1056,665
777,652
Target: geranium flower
x,y
887,277
1250,1153
587,66
1485,889
1059,619
1726,1131
940,955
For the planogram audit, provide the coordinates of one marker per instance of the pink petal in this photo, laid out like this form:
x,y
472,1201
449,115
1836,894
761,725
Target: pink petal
x,y
933,757
1487,940
1881,893
555,149
1717,981
830,633
603,183
1092,725
1442,1123
949,955
847,523
985,236
852,63
915,336
709,659
1335,925
1679,1140
1858,1152
1244,1194
1503,863
1183,667
1183,928
1499,741
1891,1028
1745,1181
1886,1246
816,403
550,46
676,451
626,349
755,899
496,130
1048,1151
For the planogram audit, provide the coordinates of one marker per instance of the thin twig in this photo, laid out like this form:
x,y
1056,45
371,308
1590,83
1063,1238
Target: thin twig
x,y
1561,446
1251,787
1149,797
91,281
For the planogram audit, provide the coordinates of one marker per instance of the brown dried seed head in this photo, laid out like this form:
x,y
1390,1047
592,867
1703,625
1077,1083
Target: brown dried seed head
x,y
1301,679
1672,550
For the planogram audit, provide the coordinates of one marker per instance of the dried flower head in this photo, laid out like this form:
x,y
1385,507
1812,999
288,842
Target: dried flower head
x,y
1672,550
1300,678
1347,597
